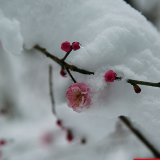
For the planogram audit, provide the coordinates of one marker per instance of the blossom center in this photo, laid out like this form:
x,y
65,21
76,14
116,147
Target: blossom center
x,y
79,98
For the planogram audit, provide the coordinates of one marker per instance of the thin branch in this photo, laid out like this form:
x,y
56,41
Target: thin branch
x,y
76,69
61,62
50,90
71,75
63,59
140,136
131,81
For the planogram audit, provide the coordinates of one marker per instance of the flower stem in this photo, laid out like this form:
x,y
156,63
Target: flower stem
x,y
63,59
61,62
51,91
71,75
131,81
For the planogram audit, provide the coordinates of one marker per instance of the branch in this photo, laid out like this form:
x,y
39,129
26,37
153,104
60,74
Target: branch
x,y
140,136
76,69
71,75
61,62
50,90
63,59
131,81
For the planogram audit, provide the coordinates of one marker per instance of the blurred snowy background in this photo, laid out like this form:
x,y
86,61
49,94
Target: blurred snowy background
x,y
114,35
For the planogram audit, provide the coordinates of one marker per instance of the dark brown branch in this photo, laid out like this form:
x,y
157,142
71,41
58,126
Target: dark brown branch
x,y
71,75
140,136
61,62
50,90
131,81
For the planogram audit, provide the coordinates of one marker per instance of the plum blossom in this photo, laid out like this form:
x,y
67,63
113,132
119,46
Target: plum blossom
x,y
77,96
110,76
65,46
75,45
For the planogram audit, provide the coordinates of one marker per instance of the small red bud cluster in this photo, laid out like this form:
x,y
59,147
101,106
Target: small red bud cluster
x,y
69,136
66,46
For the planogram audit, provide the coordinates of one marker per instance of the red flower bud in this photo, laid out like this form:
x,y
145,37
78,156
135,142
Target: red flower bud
x,y
65,46
63,72
69,136
75,45
110,76
137,89
83,141
2,142
59,122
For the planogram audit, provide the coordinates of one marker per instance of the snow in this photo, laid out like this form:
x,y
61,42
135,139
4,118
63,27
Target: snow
x,y
114,37
10,35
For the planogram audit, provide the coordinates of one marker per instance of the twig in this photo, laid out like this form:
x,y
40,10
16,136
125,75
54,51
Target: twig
x,y
76,69
50,90
140,136
71,75
63,59
131,81
61,62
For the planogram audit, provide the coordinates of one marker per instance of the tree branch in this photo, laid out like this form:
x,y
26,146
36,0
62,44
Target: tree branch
x,y
50,90
71,75
131,81
140,136
61,62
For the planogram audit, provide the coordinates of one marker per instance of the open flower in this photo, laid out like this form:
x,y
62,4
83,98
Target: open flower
x,y
110,76
77,96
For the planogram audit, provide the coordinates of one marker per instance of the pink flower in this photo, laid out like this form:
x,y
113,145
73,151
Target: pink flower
x,y
75,45
110,76
65,46
77,96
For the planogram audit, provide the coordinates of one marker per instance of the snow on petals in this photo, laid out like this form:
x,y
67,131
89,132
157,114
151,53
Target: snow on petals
x,y
77,97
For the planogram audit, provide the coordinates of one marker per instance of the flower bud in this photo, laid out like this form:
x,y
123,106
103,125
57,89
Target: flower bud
x,y
2,142
75,45
59,122
83,141
63,72
69,136
110,76
137,89
65,46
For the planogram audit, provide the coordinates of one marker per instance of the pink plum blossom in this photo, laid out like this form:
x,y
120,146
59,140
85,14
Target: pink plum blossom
x,y
110,76
77,96
65,46
75,45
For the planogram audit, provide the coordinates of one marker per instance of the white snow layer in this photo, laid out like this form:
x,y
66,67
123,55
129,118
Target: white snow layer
x,y
10,35
115,37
